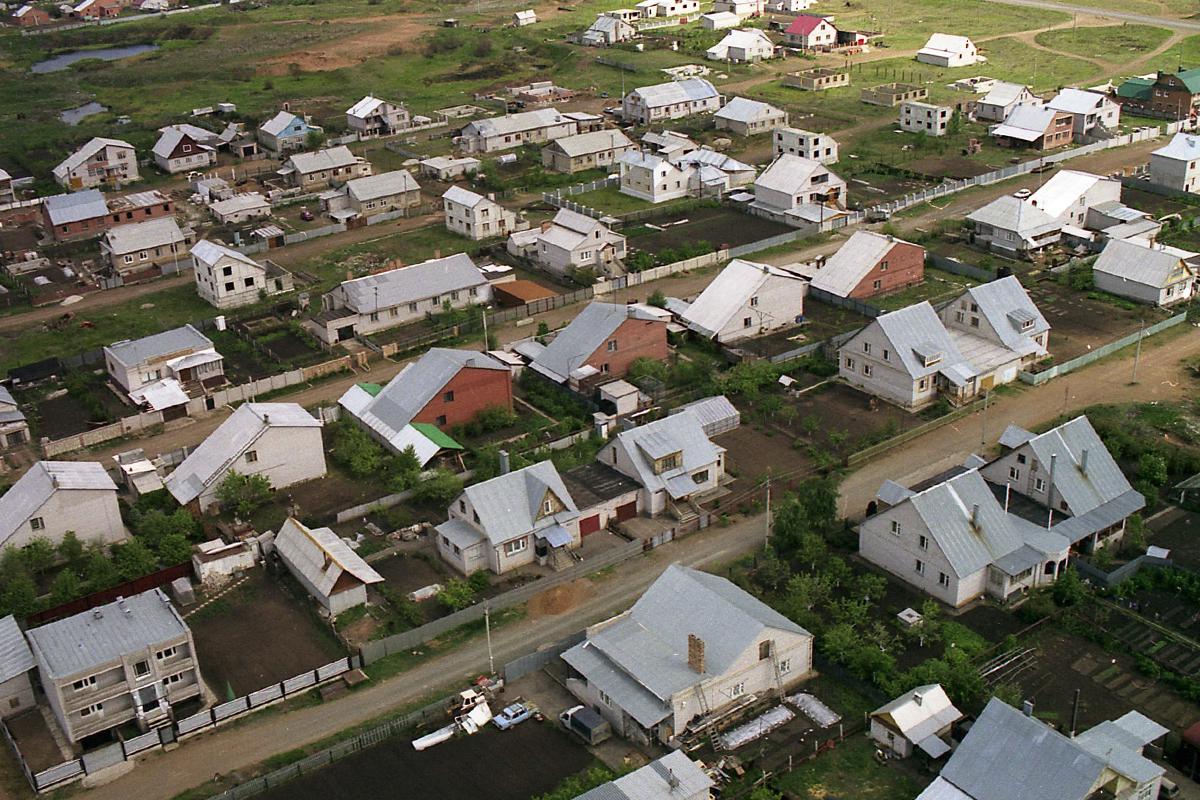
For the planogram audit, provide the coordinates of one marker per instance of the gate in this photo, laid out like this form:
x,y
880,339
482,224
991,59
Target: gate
x,y
589,525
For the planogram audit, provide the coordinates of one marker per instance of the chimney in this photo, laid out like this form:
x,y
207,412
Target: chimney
x,y
546,225
917,698
97,613
975,515
121,603
1083,461
504,464
696,653
349,275
672,781
266,419
1027,708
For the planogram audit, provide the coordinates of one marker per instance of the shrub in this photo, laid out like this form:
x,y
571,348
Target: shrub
x,y
242,494
1039,606
456,595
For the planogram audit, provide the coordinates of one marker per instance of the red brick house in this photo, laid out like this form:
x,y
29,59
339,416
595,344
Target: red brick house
x,y
871,264
31,17
1167,96
599,345
1035,127
88,213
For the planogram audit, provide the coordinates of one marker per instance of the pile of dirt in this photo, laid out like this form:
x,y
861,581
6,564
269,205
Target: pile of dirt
x,y
560,599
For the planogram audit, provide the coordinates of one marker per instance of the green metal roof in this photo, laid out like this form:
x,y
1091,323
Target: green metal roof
x,y
437,436
1135,87
1191,79
372,389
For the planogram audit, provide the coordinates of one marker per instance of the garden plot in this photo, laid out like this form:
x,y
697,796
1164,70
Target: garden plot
x,y
88,403
719,226
1081,322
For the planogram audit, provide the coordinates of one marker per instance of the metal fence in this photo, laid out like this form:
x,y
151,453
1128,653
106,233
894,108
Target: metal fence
x,y
1038,378
959,268
539,306
850,303
532,662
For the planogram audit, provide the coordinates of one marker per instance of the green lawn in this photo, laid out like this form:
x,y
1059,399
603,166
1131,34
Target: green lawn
x,y
1186,54
610,200
1158,8
1117,44
850,770
907,25
938,285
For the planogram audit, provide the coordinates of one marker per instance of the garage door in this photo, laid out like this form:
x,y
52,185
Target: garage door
x,y
627,511
589,524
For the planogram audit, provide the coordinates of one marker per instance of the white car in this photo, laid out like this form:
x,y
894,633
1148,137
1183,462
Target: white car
x,y
1021,194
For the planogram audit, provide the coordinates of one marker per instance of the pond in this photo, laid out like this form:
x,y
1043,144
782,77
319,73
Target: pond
x,y
64,60
74,116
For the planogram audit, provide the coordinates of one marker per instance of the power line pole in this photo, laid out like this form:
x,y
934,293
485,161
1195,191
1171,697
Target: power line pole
x,y
1137,355
487,624
767,537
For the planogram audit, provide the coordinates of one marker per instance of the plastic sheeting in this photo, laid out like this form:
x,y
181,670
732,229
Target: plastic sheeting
x,y
814,709
756,728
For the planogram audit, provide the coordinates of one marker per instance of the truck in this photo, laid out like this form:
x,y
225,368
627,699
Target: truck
x,y
586,724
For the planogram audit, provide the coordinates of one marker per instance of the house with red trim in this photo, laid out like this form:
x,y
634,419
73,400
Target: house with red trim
x,y
811,32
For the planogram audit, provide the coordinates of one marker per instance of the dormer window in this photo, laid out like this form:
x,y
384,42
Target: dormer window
x,y
548,506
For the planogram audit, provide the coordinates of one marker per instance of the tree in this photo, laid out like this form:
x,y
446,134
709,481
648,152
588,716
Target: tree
x,y
657,299
174,548
819,498
1152,468
242,494
806,591
954,126
66,587
133,560
315,139
1068,589
1010,693
456,595
404,470
771,572
838,642
39,555
353,449
438,488
70,549
19,596
99,571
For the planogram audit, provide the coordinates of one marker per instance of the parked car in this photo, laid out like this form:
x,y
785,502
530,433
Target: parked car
x,y
512,716
306,215
586,724
1021,194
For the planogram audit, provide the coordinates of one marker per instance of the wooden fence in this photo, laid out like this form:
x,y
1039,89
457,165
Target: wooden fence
x,y
128,589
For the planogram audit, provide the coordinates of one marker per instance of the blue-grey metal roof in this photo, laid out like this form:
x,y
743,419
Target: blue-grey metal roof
x,y
1007,755
583,336
677,433
510,505
1084,488
672,777
716,414
916,334
459,533
76,206
731,290
15,655
43,479
1102,516
674,92
1005,304
893,493
1014,436
624,690
1151,265
132,352
91,639
413,283
1119,744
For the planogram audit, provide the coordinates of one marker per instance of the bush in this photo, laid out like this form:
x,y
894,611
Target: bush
x,y
1037,607
439,488
456,595
479,580
242,494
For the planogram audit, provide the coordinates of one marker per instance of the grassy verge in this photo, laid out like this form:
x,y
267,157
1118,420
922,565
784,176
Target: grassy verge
x,y
401,662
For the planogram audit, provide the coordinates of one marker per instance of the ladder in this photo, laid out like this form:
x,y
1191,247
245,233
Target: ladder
x,y
775,666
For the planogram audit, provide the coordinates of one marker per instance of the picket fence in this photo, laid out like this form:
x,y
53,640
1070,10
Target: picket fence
x,y
1038,378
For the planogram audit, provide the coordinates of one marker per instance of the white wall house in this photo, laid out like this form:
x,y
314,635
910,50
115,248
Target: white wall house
x,y
372,116
325,565
742,46
1177,165
569,241
749,117
494,134
101,161
477,217
925,118
16,662
226,278
672,100
1069,194
177,151
917,720
57,497
818,147
1155,274
1093,112
1001,99
946,50
747,299
279,441
800,192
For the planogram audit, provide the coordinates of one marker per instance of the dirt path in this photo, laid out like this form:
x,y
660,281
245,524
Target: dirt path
x,y
93,301
1189,26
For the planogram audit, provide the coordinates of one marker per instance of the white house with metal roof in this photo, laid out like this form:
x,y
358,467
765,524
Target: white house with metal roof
x,y
947,50
583,151
749,117
514,519
1010,754
475,216
1070,193
494,134
997,328
100,161
806,144
672,459
747,299
16,662
226,278
800,192
286,131
742,46
279,441
57,497
671,100
372,116
374,194
651,9
181,354
14,428
693,647
129,661
155,243
607,30
571,241
333,165
672,777
1014,227
325,565
998,103
1151,273
445,168
1077,487
241,207
1092,112
384,300
917,720
1177,164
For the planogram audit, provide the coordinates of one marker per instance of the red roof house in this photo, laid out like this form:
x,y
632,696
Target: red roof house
x,y
811,32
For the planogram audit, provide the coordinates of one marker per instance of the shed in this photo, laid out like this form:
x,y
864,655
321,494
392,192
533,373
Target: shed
x,y
323,562
716,414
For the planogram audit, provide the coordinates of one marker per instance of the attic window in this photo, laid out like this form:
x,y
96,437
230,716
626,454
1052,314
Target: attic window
x,y
929,359
548,506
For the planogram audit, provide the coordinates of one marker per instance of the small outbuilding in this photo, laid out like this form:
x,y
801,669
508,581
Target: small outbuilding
x,y
323,562
920,720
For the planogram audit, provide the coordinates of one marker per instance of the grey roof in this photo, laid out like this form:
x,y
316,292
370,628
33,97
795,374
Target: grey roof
x,y
593,142
671,777
170,139
1182,147
946,510
43,479
384,184
459,533
1025,122
413,387
66,208
789,173
143,235
321,556
730,291
1153,266
462,196
329,158
1078,101
409,284
209,253
917,335
893,493
1007,306
510,505
229,441
132,352
279,123
80,156
1119,744
672,92
78,644
643,652
1012,214
713,412
741,109
1083,490
1004,94
582,336
920,713
15,656
1014,436
515,123
857,256
677,433
6,399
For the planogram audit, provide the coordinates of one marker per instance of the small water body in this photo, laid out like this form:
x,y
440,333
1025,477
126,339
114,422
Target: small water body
x,y
64,60
74,116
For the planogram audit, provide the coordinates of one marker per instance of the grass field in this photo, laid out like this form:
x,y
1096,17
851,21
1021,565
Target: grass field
x,y
1118,44
1159,8
1186,53
906,25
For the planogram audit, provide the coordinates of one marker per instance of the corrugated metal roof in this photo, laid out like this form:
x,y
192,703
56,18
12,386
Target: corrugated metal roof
x,y
209,253
170,139
464,197
1078,101
510,505
947,508
327,159
413,283
1025,120
789,173
66,208
714,413
1012,214
244,201
1004,94
593,142
1182,147
279,123
1007,307
78,644
321,556
677,433
15,655
460,533
921,341
362,108
1083,489
143,235
582,336
514,123
749,39
384,184
229,441
857,256
626,693
80,156
672,777
1149,265
175,341
942,789
42,480
673,92
1064,190
731,290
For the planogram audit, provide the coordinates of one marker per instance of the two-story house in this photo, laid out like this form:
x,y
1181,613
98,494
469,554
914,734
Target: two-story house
x,y
477,217
571,241
177,151
111,162
332,166
154,244
672,100
927,119
601,342
811,32
1035,127
692,647
129,661
1165,96
747,299
87,213
749,117
54,498
870,264
1001,99
279,441
285,132
806,144
1093,112
372,116
514,519
494,134
1069,194
1014,227
156,370
1177,164
226,278
375,194
800,192
999,329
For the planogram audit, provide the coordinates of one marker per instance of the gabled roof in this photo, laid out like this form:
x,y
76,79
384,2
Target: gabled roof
x,y
464,197
93,638
515,123
66,208
946,43
641,655
243,201
132,352
280,122
80,156
1136,88
329,158
672,92
920,713
1007,306
15,655
229,441
804,24
1119,744
743,38
431,278
368,105
678,433
582,337
672,776
918,336
143,235
1004,94
607,24
1182,147
1078,101
42,480
1083,488
384,184
593,142
1064,189
1026,123
1012,214
209,253
1154,265
741,109
857,256
730,291
510,505
322,557
789,173
1190,78
170,139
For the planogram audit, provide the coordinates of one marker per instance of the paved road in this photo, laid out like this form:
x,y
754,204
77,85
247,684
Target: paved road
x,y
164,774
1124,16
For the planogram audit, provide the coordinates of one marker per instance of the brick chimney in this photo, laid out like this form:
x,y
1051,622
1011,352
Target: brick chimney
x,y
696,653
546,225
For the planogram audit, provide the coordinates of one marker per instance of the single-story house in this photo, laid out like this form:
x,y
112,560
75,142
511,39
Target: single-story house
x,y
448,169
601,342
747,299
494,134
375,194
1156,274
87,212
719,20
917,720
892,94
28,16
325,565
799,191
156,243
742,46
586,151
54,498
748,117
240,208
672,100
870,264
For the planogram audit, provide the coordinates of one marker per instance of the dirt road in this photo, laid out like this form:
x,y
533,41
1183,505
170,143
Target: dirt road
x,y
1190,26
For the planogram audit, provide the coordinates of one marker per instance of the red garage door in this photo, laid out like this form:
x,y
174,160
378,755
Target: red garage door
x,y
589,525
627,511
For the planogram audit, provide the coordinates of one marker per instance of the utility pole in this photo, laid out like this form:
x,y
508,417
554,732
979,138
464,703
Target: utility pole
x,y
487,624
483,310
1137,354
983,420
767,537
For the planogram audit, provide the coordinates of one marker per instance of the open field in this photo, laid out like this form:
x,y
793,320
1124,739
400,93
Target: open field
x,y
938,286
907,25
259,634
717,226
1185,9
1118,44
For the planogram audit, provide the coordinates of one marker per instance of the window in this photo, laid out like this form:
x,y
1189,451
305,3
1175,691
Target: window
x,y
374,316
128,259
1014,474
883,265
604,698
785,666
849,363
738,689
141,669
1039,485
612,345
923,384
448,397
412,307
37,524
746,322
227,271
229,287
887,354
877,285
923,541
701,476
866,347
896,527
462,506
764,649
96,709
441,420
867,370
919,567
84,683
943,579
548,505
171,680
1021,459
754,302
959,316
515,546
249,282
166,652
251,456
974,322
